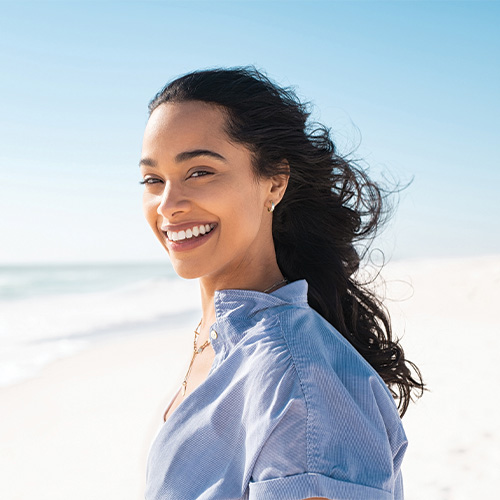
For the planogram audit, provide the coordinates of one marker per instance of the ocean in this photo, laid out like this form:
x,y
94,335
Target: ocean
x,y
53,311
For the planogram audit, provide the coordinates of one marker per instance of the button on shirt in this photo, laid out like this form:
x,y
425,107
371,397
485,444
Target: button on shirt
x,y
289,410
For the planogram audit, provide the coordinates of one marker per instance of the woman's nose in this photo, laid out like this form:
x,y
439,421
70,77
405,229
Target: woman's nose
x,y
172,201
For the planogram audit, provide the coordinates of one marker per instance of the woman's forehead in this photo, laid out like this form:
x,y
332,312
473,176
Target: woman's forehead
x,y
186,121
188,112
175,128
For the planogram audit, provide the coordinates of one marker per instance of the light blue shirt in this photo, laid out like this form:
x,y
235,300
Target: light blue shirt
x,y
289,410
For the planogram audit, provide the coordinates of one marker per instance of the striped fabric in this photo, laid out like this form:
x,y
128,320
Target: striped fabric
x,y
288,411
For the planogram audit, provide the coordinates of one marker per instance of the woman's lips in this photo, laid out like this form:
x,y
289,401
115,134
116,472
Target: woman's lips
x,y
189,238
194,231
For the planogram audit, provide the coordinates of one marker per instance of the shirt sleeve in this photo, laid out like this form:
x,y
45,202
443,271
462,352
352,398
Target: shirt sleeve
x,y
306,485
341,455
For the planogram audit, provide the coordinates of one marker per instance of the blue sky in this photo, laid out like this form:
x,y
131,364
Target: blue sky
x,y
412,85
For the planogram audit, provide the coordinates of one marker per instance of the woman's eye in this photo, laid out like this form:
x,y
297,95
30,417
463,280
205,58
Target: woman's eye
x,y
200,173
149,180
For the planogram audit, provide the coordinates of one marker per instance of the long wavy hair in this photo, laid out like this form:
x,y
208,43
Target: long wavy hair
x,y
329,207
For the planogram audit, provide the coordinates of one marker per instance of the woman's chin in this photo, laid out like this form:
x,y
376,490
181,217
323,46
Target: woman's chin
x,y
186,271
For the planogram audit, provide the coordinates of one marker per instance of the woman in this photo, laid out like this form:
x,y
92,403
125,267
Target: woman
x,y
289,393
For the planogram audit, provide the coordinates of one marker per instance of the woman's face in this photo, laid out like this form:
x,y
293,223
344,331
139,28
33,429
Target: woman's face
x,y
201,196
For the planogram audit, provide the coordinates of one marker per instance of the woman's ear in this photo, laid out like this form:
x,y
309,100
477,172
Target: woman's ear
x,y
279,182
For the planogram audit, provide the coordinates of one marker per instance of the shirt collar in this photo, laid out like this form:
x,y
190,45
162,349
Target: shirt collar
x,y
246,303
233,308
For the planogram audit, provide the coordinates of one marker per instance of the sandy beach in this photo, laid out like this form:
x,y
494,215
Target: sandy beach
x,y
83,427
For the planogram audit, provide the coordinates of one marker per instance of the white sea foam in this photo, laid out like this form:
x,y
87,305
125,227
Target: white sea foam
x,y
44,321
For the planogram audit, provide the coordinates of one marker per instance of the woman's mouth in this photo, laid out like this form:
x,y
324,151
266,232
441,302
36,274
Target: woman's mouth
x,y
189,233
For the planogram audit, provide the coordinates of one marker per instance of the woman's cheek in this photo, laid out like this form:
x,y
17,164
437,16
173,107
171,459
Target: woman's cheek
x,y
150,205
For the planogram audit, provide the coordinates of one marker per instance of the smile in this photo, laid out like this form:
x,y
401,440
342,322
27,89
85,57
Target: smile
x,y
189,233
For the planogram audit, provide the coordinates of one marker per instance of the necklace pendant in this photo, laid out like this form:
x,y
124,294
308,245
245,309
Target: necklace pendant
x,y
199,350
184,385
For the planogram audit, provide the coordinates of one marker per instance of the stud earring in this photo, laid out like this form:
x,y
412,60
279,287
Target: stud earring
x,y
271,208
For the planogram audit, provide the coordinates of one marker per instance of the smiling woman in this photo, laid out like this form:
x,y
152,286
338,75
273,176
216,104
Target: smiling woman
x,y
291,384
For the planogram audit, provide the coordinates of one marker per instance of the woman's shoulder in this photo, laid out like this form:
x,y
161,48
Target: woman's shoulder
x,y
332,374
340,422
279,340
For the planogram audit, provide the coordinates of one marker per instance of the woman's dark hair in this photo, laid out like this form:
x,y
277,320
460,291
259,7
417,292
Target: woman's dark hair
x,y
329,206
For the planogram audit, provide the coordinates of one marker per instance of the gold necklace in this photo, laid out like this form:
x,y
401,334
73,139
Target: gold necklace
x,y
196,350
182,388
284,281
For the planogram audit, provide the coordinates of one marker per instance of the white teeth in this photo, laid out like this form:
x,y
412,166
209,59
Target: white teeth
x,y
190,233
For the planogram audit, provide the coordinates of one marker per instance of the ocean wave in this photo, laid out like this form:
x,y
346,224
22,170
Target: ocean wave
x,y
36,329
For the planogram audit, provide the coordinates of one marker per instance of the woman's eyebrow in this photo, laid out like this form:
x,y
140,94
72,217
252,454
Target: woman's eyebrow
x,y
147,162
184,156
188,155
